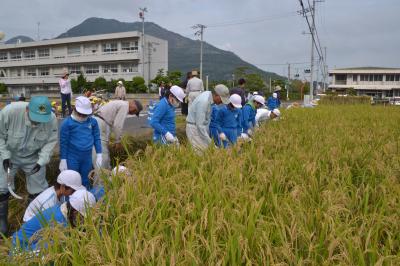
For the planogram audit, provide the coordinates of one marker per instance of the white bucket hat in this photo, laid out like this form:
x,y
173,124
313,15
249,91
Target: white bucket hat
x,y
178,92
236,100
276,112
81,200
259,99
71,179
83,105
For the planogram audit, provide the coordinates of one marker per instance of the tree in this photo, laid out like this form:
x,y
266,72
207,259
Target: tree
x,y
3,88
100,83
138,85
171,76
79,84
254,82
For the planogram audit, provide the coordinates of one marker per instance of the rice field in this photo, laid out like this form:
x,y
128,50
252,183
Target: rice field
x,y
319,187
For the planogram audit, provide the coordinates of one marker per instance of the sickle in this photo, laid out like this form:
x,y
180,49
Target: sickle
x,y
9,185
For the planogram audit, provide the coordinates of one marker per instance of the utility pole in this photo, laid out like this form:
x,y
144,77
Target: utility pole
x,y
38,31
288,85
149,60
141,15
312,51
200,33
325,70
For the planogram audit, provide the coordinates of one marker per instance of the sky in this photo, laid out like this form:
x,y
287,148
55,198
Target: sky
x,y
267,33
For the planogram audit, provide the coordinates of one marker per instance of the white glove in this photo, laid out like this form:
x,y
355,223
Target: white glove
x,y
63,165
99,160
222,136
176,141
169,137
250,132
244,136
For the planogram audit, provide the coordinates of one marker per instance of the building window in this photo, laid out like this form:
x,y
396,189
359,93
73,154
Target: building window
x,y
3,73
92,69
16,55
397,77
90,48
74,50
130,68
15,73
110,69
355,76
110,47
390,77
3,57
45,52
130,46
29,54
378,77
44,72
31,72
75,70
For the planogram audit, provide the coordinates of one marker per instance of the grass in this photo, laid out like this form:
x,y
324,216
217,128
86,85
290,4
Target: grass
x,y
319,187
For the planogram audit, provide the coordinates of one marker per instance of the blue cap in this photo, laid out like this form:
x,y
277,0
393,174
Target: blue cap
x,y
40,109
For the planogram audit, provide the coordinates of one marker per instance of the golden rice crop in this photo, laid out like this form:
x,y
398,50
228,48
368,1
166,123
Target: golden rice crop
x,y
319,187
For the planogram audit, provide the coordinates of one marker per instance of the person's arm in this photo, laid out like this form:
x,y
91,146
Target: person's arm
x,y
64,139
155,122
96,136
253,118
116,93
202,85
218,120
119,121
47,150
202,119
123,93
4,152
187,87
240,121
245,118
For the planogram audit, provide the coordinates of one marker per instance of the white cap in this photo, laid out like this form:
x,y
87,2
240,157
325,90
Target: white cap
x,y
259,99
71,179
120,169
120,82
236,100
83,105
178,92
82,199
255,93
276,112
275,95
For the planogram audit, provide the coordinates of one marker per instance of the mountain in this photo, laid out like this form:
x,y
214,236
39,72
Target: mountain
x,y
183,53
19,38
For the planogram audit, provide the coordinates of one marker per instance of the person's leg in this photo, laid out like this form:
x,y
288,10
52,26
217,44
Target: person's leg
x,y
36,183
4,195
214,136
63,103
195,139
68,96
85,167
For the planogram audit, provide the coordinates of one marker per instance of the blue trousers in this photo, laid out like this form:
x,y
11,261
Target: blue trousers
x,y
66,102
215,136
231,135
82,163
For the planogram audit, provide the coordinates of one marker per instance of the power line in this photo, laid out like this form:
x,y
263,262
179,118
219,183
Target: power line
x,y
254,20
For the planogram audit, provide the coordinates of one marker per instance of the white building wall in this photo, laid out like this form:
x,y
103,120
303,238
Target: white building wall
x,y
79,53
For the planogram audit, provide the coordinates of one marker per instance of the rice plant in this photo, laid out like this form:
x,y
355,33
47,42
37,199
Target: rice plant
x,y
319,187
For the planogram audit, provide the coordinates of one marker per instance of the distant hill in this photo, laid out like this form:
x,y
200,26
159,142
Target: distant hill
x,y
21,38
184,53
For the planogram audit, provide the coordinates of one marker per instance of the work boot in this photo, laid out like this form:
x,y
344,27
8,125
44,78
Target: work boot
x,y
4,213
31,197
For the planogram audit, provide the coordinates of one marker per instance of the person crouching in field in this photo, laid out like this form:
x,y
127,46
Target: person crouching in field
x,y
26,238
249,112
229,120
163,118
68,182
78,134
264,115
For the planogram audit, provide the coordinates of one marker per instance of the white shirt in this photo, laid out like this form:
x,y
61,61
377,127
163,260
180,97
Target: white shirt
x,y
45,200
194,84
262,115
65,86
